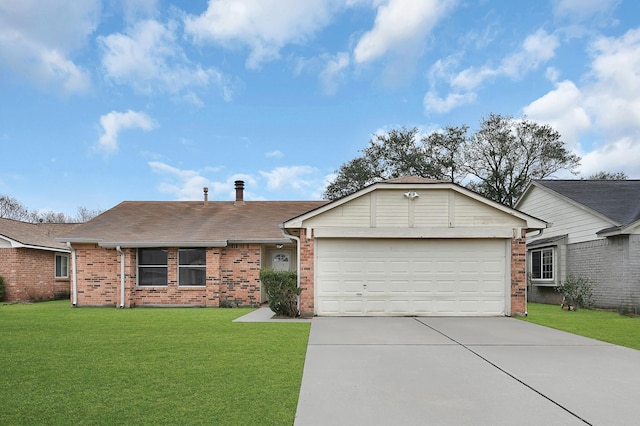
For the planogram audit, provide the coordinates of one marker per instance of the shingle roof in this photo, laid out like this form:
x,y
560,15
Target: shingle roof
x,y
160,222
412,179
618,200
38,235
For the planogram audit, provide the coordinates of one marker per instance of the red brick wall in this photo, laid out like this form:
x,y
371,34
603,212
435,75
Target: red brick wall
x,y
519,274
232,275
240,275
307,259
29,275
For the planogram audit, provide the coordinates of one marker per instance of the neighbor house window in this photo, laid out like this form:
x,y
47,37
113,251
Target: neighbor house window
x,y
192,266
62,266
152,266
542,264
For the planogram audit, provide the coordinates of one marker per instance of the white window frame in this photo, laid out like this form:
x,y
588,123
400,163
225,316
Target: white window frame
x,y
551,256
202,267
64,265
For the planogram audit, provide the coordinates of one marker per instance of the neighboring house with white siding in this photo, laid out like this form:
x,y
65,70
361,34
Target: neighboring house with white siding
x,y
594,232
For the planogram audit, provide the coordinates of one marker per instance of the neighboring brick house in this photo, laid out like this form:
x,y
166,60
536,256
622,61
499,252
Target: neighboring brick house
x,y
407,246
594,232
34,265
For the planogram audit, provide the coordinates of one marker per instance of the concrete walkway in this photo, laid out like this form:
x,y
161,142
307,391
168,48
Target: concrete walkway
x,y
265,314
463,371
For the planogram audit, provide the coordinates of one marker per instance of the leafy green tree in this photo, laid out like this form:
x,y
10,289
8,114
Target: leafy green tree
x,y
505,154
499,159
401,152
608,176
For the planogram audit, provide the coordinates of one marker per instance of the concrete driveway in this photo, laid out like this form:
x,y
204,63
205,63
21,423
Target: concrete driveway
x,y
463,371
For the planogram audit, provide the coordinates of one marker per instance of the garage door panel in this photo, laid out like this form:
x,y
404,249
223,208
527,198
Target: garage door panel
x,y
411,277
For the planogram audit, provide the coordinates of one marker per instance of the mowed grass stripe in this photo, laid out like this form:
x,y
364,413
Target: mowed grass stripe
x,y
60,365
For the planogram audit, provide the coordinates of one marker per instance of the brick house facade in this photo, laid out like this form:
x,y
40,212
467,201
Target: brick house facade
x,y
33,264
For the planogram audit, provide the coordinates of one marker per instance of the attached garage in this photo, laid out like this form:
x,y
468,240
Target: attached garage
x,y
412,246
400,277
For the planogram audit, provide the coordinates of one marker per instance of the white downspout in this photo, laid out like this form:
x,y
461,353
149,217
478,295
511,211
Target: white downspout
x,y
298,250
74,282
121,276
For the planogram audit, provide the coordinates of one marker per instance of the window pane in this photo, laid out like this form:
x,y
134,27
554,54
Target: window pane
x,y
195,256
152,276
536,265
152,256
62,262
547,264
192,276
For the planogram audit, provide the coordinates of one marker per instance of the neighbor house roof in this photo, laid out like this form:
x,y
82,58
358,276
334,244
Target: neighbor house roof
x,y
616,200
619,200
31,235
189,223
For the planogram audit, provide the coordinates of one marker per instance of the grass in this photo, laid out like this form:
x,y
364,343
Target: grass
x,y
601,325
92,366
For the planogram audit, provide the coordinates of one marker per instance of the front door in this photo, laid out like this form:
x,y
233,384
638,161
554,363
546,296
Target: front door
x,y
281,260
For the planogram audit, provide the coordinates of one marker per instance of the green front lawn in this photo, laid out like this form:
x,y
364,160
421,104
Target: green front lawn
x,y
601,325
60,365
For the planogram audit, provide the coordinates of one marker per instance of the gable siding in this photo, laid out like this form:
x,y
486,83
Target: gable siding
x,y
356,213
564,217
435,208
432,209
470,212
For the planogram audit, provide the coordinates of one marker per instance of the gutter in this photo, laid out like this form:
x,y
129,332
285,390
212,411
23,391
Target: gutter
x,y
74,282
298,250
122,256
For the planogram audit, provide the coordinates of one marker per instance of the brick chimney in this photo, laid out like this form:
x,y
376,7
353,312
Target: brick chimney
x,y
239,192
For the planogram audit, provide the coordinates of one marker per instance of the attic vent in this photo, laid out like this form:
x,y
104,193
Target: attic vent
x,y
233,246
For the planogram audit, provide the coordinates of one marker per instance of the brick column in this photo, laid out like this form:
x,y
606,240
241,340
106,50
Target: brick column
x,y
518,273
306,274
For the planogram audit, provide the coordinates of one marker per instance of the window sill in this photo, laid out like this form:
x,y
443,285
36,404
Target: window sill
x,y
544,283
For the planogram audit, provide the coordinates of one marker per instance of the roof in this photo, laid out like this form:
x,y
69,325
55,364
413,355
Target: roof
x,y
32,235
617,200
189,223
412,179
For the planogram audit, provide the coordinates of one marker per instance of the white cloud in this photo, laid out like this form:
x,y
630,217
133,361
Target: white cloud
x,y
601,118
274,154
265,26
299,178
115,122
434,103
38,37
562,108
149,58
579,10
399,25
536,49
332,72
190,184
616,156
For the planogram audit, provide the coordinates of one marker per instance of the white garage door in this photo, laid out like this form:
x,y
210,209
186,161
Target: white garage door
x,y
411,277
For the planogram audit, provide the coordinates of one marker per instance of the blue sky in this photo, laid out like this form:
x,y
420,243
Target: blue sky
x,y
106,101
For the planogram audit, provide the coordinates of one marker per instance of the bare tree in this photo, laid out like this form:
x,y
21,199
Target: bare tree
x,y
11,208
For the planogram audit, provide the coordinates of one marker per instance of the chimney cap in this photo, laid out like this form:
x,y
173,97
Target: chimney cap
x,y
239,192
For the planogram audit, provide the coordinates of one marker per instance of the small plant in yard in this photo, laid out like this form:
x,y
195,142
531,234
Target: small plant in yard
x,y
3,289
576,292
282,290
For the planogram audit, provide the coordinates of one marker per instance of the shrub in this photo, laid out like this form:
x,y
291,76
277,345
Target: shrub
x,y
282,290
576,292
3,288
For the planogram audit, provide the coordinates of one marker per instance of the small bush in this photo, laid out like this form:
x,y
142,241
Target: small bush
x,y
3,289
282,290
576,292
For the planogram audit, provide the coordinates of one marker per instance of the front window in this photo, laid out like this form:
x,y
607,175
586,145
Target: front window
x,y
542,264
192,266
62,266
152,267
